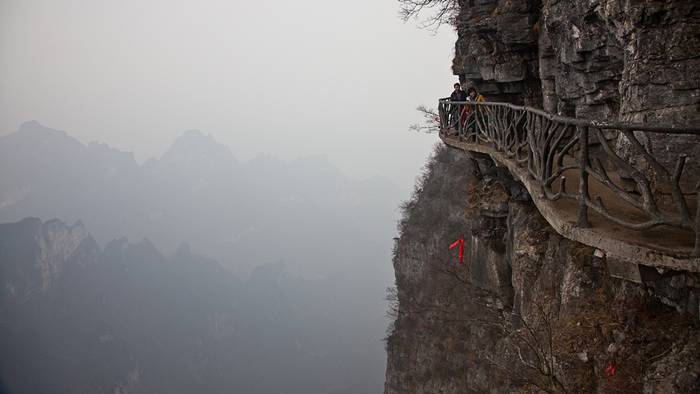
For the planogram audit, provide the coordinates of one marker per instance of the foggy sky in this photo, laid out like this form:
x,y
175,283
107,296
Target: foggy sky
x,y
287,78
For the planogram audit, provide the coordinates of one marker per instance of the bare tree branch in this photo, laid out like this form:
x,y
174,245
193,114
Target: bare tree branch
x,y
444,12
431,121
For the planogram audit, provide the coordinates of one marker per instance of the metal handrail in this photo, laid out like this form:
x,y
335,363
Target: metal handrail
x,y
641,191
653,128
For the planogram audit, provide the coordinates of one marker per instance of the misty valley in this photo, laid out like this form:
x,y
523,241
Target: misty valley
x,y
194,272
407,197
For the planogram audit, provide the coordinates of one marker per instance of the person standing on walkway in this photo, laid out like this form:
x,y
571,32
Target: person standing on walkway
x,y
458,94
456,109
474,96
471,96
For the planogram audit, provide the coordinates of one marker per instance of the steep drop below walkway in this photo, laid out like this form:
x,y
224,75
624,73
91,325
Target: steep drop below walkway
x,y
663,247
529,308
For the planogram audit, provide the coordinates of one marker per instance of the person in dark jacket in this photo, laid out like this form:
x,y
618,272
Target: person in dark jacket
x,y
457,95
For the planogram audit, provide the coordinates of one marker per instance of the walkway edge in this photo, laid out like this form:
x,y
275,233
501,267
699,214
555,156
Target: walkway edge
x,y
613,248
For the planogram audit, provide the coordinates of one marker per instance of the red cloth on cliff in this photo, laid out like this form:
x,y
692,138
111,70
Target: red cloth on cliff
x,y
459,242
610,370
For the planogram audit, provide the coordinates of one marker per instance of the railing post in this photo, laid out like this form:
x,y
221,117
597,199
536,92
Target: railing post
x,y
696,249
458,116
441,115
478,131
583,160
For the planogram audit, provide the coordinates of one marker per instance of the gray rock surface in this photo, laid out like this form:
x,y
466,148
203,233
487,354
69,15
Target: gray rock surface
x,y
600,59
486,325
530,311
633,61
55,248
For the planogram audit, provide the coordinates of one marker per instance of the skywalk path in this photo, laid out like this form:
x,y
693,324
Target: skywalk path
x,y
596,183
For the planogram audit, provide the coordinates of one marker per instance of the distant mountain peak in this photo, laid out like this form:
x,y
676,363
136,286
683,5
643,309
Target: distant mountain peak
x,y
194,143
195,139
33,133
30,124
194,133
33,127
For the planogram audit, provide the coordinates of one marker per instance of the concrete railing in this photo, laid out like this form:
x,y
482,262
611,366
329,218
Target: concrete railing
x,y
617,180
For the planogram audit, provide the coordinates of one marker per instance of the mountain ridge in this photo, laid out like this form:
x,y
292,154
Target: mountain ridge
x,y
127,318
197,192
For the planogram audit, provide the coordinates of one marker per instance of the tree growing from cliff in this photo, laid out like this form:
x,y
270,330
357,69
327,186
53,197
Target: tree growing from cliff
x,y
443,12
534,344
430,123
528,342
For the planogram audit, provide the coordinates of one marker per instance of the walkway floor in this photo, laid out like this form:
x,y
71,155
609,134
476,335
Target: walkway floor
x,y
663,246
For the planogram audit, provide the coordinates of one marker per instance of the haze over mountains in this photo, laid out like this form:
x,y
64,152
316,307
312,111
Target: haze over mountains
x,y
298,307
240,213
77,318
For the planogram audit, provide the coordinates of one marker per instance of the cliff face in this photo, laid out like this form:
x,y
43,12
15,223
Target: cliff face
x,y
604,60
599,59
633,61
527,308
49,248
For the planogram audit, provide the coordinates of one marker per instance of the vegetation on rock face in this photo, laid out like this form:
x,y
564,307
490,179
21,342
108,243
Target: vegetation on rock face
x,y
529,311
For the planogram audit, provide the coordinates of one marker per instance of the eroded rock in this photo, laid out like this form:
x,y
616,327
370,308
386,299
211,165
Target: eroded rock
x,y
487,325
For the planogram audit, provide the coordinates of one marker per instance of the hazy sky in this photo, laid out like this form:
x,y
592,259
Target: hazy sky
x,y
288,78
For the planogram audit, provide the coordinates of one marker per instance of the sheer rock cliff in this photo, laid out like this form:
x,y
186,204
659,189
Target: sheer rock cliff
x,y
610,60
528,310
598,59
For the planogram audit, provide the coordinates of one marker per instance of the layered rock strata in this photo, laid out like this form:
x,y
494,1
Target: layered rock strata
x,y
599,59
528,310
608,60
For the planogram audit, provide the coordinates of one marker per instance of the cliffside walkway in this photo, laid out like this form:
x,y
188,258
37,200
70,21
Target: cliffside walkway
x,y
596,183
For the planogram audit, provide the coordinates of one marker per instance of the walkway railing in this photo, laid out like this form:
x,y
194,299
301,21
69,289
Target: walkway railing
x,y
614,171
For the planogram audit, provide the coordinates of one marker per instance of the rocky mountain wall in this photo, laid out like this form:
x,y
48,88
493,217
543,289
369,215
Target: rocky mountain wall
x,y
608,60
528,311
600,59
